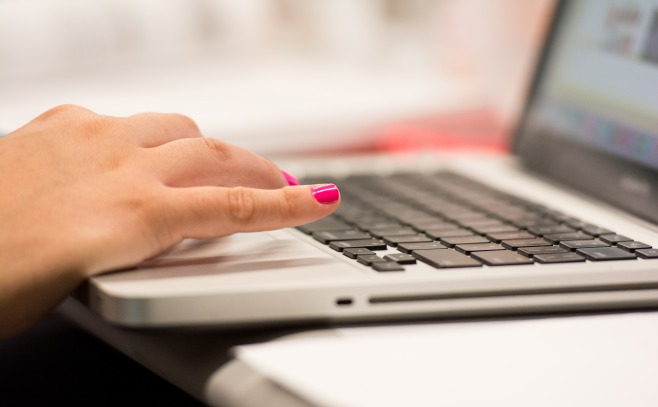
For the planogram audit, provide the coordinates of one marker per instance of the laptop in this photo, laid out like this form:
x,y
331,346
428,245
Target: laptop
x,y
569,222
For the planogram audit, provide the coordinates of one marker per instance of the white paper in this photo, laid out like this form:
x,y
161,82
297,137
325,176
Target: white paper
x,y
578,361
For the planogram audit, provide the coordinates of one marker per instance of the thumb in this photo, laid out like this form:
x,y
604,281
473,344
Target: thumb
x,y
206,212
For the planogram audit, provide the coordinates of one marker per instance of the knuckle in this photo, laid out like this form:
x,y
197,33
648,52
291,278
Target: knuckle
x,y
241,205
219,150
65,110
290,204
186,123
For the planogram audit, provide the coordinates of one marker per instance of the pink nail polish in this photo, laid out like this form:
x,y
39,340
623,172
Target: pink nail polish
x,y
290,178
326,194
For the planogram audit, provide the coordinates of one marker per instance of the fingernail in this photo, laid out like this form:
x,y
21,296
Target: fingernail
x,y
326,194
290,178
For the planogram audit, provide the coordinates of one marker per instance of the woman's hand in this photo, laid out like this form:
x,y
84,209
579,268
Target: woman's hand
x,y
84,193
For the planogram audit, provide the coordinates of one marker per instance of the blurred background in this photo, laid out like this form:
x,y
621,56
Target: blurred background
x,y
280,76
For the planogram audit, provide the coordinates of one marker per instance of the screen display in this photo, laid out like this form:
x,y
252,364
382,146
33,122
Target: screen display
x,y
600,85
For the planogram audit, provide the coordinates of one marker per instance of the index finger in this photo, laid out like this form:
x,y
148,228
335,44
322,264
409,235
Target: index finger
x,y
206,212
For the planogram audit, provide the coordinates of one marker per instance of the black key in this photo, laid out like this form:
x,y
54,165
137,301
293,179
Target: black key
x,y
395,240
531,222
398,231
452,241
606,253
532,251
412,247
614,238
550,230
367,226
497,237
583,244
501,258
326,224
328,237
369,259
469,218
387,266
480,222
372,244
632,246
401,258
517,243
445,258
352,253
576,223
494,228
567,257
412,217
478,247
441,234
561,237
596,231
647,253
424,226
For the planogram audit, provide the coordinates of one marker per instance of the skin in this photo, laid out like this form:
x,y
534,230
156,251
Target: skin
x,y
83,194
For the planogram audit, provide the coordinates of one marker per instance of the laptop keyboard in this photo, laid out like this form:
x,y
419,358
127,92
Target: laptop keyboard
x,y
448,221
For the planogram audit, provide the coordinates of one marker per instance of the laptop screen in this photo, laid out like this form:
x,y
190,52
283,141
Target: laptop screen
x,y
592,118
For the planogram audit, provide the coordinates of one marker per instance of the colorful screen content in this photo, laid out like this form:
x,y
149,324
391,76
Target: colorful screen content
x,y
601,87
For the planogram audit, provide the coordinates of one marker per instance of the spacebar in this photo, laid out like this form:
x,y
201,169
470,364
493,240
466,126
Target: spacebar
x,y
445,258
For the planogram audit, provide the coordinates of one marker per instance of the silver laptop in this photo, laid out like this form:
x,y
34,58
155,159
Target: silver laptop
x,y
569,223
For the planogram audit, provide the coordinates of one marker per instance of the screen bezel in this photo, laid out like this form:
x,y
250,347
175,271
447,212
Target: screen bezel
x,y
628,185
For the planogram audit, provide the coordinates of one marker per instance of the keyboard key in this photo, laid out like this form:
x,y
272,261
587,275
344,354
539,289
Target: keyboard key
x,y
352,253
368,259
502,258
401,258
412,247
441,234
576,223
498,237
530,222
436,226
566,257
550,230
395,240
372,244
445,258
385,266
478,247
532,251
596,231
606,253
517,243
561,237
322,225
424,226
380,224
647,253
582,244
452,241
398,231
632,246
494,228
614,238
328,237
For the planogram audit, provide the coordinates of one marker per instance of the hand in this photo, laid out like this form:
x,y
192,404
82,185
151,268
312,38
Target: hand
x,y
84,193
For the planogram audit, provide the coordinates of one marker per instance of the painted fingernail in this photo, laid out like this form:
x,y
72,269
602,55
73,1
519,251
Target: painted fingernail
x,y
326,194
290,178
